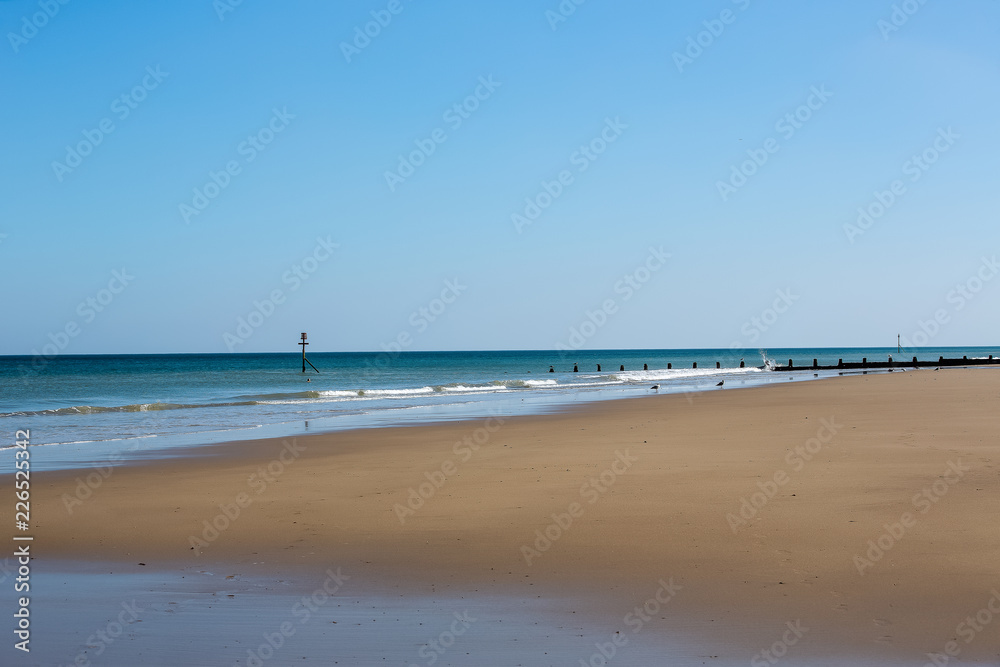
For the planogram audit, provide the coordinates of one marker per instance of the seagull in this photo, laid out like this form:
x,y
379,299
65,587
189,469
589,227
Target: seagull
x,y
656,387
721,383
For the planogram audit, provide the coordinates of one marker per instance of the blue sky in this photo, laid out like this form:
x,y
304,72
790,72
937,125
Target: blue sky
x,y
641,137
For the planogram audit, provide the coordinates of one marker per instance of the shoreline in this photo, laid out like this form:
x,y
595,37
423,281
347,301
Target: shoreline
x,y
602,502
113,452
461,407
180,401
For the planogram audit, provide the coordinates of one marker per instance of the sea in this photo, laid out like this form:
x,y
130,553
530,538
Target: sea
x,y
86,410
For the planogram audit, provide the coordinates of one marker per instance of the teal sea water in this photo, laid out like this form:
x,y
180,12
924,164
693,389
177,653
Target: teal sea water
x,y
82,408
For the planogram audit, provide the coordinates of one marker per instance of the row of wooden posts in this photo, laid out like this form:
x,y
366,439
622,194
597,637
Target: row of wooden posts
x,y
890,363
645,367
964,361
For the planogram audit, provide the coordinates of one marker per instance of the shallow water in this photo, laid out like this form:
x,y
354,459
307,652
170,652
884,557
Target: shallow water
x,y
101,409
104,614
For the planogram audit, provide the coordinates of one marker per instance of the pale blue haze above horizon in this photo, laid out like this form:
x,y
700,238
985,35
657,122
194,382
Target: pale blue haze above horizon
x,y
646,239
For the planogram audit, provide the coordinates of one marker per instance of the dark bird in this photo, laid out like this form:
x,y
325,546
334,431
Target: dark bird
x,y
656,387
721,383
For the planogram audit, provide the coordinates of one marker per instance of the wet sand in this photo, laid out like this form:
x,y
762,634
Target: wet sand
x,y
848,520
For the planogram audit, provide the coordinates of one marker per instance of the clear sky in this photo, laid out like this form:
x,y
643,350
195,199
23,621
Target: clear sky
x,y
205,150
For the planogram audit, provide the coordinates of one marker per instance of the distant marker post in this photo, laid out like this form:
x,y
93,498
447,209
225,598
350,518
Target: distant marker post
x,y
305,361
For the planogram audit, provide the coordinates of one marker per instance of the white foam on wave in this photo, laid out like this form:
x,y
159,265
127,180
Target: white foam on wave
x,y
470,389
540,383
396,392
310,401
605,383
83,442
664,374
338,394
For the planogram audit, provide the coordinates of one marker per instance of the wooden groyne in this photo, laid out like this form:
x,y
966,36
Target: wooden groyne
x,y
895,363
864,364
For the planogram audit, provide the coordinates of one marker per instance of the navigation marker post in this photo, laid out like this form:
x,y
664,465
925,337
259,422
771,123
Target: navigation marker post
x,y
305,361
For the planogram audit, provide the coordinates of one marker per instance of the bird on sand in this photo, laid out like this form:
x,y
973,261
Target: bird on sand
x,y
656,387
721,383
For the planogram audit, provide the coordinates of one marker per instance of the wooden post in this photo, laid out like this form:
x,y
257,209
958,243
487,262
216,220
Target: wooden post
x,y
669,365
305,361
303,344
695,365
645,367
575,369
840,363
789,363
598,368
742,364
815,365
718,365
622,367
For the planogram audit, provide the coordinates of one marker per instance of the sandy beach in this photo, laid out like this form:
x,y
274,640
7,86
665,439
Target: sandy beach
x,y
846,519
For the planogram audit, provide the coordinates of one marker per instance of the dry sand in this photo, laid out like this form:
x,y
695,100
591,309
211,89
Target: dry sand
x,y
648,485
